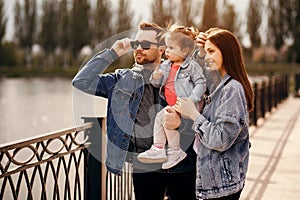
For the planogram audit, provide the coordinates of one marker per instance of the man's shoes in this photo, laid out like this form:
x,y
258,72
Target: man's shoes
x,y
174,157
153,155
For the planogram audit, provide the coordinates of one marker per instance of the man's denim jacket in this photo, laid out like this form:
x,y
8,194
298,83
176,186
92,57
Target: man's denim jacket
x,y
124,90
223,134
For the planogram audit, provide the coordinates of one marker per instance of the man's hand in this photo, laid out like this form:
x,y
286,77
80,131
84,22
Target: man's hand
x,y
122,46
157,73
171,118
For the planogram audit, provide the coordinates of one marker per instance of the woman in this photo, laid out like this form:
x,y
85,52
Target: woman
x,y
222,131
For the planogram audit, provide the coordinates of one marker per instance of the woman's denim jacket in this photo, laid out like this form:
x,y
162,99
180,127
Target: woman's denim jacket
x,y
124,90
189,80
223,151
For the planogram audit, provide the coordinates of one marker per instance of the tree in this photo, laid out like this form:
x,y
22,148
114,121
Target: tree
x,y
63,37
25,27
124,16
280,22
102,25
254,23
3,22
229,18
185,17
295,24
80,32
210,14
48,37
162,12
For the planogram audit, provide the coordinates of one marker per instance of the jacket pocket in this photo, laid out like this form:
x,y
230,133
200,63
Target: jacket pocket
x,y
226,171
184,85
120,106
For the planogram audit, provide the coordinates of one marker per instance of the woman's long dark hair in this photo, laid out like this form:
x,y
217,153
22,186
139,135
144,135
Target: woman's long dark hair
x,y
233,61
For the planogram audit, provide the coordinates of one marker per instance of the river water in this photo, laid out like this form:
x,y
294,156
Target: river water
x,y
34,106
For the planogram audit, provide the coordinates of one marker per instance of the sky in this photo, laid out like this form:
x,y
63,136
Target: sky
x,y
141,9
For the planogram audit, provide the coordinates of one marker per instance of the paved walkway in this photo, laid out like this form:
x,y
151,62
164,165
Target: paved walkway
x,y
274,167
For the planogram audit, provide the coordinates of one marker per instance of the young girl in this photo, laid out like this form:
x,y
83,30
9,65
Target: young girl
x,y
178,76
223,127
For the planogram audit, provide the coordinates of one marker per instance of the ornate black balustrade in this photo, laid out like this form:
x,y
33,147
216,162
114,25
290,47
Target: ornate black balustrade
x,y
46,167
60,166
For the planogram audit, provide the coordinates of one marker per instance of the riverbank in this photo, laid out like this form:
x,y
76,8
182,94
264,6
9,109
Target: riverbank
x,y
38,72
254,69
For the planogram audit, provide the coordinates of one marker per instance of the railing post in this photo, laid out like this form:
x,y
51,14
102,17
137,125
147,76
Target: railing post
x,y
95,173
297,85
254,115
263,98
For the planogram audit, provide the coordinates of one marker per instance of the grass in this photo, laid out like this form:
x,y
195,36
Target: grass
x,y
270,69
253,69
266,69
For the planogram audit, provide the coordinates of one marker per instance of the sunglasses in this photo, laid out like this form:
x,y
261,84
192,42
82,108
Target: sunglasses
x,y
144,44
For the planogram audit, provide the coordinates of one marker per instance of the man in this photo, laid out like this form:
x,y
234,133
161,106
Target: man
x,y
132,105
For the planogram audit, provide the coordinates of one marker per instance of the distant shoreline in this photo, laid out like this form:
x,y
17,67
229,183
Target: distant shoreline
x,y
38,72
253,69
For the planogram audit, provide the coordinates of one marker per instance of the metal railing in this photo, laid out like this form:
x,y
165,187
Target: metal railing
x,y
269,92
62,165
297,85
68,164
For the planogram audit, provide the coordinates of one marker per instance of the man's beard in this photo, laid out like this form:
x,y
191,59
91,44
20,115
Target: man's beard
x,y
144,60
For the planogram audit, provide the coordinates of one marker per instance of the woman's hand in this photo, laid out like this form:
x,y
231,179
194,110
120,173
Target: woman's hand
x,y
171,118
200,41
186,108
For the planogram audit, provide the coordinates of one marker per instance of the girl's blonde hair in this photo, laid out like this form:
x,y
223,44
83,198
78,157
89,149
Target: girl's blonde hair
x,y
184,36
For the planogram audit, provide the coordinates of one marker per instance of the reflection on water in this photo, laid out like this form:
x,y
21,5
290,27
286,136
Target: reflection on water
x,y
32,106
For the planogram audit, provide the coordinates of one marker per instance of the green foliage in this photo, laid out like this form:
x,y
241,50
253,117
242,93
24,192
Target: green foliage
x,y
10,55
270,69
65,26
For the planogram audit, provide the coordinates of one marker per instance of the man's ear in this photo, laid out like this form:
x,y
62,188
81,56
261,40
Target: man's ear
x,y
162,49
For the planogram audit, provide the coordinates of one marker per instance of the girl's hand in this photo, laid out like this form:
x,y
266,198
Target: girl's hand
x,y
186,108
